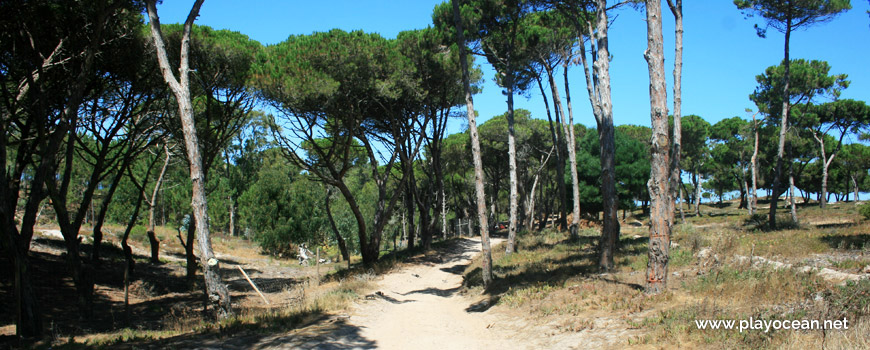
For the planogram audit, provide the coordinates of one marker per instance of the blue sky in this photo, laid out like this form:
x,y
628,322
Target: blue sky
x,y
722,53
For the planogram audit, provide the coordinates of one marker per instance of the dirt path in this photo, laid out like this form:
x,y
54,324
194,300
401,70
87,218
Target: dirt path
x,y
416,307
419,308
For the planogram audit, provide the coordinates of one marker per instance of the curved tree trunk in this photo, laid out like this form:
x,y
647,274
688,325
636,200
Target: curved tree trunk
x,y
558,140
217,292
342,246
152,237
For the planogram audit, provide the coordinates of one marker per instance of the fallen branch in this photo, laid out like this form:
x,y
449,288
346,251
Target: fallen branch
x,y
252,284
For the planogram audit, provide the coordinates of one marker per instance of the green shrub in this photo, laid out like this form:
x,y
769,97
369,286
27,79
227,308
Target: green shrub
x,y
139,234
864,209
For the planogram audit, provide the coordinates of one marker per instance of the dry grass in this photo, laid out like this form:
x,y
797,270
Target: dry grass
x,y
306,302
555,280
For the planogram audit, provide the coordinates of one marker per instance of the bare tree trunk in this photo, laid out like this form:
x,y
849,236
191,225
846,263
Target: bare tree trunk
x,y
697,193
342,246
753,205
557,141
746,196
512,164
443,212
101,217
598,87
682,201
572,150
855,187
531,200
676,7
188,249
780,153
152,237
660,225
28,320
217,292
486,270
794,217
409,207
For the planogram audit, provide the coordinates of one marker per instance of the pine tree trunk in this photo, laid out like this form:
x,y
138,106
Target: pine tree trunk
x,y
676,7
486,270
409,207
512,164
660,225
753,205
855,187
697,193
794,217
342,246
558,140
783,128
28,322
101,217
188,249
217,292
572,156
598,87
682,201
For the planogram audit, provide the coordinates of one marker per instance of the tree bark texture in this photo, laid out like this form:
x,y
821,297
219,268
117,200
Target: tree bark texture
x,y
753,203
342,246
783,128
486,270
598,87
660,225
676,7
152,237
558,140
512,164
572,152
217,292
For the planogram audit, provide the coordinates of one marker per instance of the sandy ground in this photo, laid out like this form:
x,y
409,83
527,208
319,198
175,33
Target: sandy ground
x,y
416,307
419,308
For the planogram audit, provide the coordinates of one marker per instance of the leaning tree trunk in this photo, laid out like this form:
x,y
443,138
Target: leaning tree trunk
x,y
152,237
218,294
783,128
660,225
557,141
486,270
342,246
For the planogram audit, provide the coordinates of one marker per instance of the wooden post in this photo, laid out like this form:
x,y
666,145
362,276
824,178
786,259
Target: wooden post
x,y
317,263
252,284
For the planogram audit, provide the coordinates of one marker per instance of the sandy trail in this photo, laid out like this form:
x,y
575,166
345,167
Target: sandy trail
x,y
418,307
415,307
